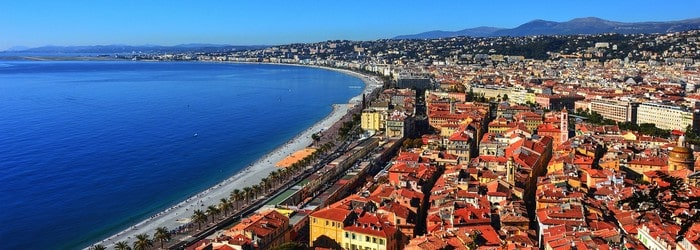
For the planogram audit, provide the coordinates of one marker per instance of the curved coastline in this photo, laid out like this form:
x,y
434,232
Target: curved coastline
x,y
179,214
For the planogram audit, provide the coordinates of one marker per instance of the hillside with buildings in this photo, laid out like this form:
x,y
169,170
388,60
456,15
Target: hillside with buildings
x,y
470,145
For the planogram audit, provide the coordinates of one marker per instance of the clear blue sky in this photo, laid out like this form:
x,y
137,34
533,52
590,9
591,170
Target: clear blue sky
x,y
91,22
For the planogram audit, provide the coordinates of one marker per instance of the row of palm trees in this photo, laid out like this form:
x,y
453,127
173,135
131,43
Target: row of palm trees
x,y
271,182
143,241
276,178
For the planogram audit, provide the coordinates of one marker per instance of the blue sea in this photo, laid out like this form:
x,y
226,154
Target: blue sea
x,y
88,148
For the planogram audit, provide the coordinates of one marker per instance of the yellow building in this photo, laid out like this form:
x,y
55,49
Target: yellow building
x,y
370,232
345,224
531,119
326,227
372,120
530,97
499,126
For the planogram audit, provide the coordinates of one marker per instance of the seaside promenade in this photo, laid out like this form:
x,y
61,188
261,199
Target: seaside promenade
x,y
177,219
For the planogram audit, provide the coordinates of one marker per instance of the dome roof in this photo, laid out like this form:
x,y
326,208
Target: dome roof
x,y
680,154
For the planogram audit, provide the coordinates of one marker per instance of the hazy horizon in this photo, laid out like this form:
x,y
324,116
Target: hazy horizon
x,y
168,23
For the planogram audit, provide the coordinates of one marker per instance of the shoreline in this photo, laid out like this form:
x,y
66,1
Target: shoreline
x,y
179,214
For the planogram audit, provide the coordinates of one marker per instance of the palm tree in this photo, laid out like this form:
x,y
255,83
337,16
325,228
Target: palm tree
x,y
213,211
256,191
264,182
280,174
247,191
274,177
98,247
161,235
224,205
287,174
236,196
122,245
198,217
142,242
283,174
295,168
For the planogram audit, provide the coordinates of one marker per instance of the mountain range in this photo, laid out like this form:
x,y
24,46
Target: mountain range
x,y
588,25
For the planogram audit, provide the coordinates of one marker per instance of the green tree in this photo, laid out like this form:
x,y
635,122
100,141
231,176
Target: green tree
x,y
236,197
316,137
199,217
213,211
247,191
255,191
98,247
161,235
122,245
470,95
476,240
274,178
265,184
691,136
142,242
224,205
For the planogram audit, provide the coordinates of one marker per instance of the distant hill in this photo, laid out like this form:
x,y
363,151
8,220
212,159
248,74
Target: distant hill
x,y
475,32
588,25
114,49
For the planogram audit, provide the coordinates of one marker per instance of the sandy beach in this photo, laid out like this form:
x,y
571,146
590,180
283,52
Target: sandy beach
x,y
179,214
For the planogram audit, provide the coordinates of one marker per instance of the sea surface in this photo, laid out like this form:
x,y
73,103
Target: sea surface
x,y
88,148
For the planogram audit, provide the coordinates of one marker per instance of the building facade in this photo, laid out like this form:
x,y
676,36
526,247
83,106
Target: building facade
x,y
372,119
666,116
620,111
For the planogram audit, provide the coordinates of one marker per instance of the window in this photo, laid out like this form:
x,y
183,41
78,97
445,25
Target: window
x,y
326,223
381,241
367,238
374,239
333,224
314,220
353,236
347,235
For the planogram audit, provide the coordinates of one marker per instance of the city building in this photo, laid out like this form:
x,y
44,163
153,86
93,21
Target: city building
x,y
267,229
353,223
616,110
408,81
372,119
557,102
666,116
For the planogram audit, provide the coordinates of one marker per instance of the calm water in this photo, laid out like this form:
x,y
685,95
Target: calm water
x,y
88,148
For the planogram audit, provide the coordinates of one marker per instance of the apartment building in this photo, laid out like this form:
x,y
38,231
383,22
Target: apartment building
x,y
666,116
616,110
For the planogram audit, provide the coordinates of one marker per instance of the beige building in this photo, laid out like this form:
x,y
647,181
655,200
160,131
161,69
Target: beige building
x,y
620,111
666,116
